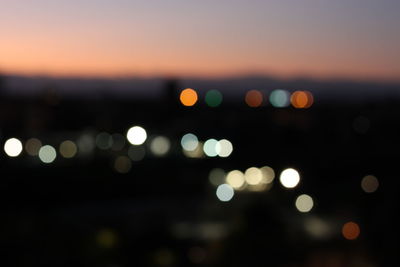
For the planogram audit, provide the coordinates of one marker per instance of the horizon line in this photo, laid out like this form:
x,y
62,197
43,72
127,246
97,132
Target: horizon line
x,y
228,76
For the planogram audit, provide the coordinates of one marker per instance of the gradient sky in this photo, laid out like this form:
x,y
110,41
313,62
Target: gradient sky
x,y
357,39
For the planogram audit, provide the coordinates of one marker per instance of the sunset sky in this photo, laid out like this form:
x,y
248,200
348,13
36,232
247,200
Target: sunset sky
x,y
356,39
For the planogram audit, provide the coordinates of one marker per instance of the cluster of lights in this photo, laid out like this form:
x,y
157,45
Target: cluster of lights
x,y
194,148
278,98
47,154
254,179
189,97
257,180
85,144
136,136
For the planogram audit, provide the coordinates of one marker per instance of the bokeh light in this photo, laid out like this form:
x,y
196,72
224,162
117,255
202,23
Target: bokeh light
x,y
317,227
160,145
253,176
47,154
32,146
369,184
259,187
351,230
279,98
217,176
86,144
136,135
213,98
210,148
118,142
104,141
302,99
304,203
68,149
122,164
189,142
136,153
235,179
13,147
268,174
224,148
289,178
254,98
106,238
188,97
196,153
225,192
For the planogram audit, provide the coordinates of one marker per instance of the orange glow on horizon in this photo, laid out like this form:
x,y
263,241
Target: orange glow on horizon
x,y
63,38
31,57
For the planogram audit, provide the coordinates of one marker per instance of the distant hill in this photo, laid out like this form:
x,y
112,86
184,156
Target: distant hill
x,y
233,88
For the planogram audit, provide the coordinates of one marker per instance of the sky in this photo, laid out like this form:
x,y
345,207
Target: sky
x,y
357,39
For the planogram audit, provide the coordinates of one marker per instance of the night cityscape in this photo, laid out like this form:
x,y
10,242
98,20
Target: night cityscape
x,y
198,179
199,133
